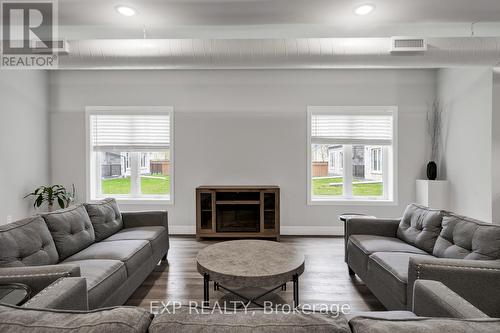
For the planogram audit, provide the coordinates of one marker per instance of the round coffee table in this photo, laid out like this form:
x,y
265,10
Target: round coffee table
x,y
250,263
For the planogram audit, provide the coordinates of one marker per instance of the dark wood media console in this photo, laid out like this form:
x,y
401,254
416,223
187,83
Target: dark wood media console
x,y
238,212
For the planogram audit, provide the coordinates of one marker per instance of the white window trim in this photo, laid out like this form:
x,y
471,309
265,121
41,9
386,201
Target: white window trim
x,y
393,169
89,163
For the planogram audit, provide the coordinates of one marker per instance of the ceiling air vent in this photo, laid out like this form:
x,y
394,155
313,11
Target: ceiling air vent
x,y
408,44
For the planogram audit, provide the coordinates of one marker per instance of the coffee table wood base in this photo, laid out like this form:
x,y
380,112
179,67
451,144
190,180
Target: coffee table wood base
x,y
253,300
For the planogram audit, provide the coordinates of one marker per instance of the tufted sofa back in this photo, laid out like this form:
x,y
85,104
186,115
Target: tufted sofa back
x,y
420,226
71,230
466,238
27,242
106,218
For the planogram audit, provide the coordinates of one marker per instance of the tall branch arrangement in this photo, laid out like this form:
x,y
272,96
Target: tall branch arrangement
x,y
435,128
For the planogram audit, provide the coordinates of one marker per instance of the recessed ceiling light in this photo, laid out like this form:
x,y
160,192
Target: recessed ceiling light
x,y
126,11
364,9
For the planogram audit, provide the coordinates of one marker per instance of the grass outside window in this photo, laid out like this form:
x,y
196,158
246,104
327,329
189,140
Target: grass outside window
x,y
150,185
327,186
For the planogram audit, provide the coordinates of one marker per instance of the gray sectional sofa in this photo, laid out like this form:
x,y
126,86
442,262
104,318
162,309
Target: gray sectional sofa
x,y
390,255
433,301
113,251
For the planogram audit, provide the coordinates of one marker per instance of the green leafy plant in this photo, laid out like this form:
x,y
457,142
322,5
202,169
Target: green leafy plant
x,y
51,194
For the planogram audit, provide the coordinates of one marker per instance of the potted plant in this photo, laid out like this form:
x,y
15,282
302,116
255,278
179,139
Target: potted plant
x,y
51,194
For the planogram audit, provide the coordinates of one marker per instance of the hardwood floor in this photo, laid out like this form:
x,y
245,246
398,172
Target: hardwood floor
x,y
325,280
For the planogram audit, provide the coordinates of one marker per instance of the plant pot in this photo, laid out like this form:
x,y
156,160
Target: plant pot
x,y
50,207
431,170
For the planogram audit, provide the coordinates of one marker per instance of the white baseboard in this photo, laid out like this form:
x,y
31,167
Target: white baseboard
x,y
285,230
182,230
311,231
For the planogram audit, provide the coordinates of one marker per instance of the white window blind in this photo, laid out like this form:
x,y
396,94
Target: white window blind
x,y
352,129
130,132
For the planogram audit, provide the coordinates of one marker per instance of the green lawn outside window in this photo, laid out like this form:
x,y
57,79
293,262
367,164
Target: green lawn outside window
x,y
158,185
150,185
323,186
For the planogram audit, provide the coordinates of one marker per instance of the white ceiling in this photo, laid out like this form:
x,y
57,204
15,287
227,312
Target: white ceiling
x,y
284,33
88,19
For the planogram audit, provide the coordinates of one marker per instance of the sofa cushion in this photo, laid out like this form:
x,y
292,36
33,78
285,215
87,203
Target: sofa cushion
x,y
71,230
420,226
389,272
359,247
466,238
131,252
381,315
156,236
370,244
391,315
103,278
27,242
189,320
424,325
110,320
105,217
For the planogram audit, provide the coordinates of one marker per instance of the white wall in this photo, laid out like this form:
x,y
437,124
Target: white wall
x,y
466,95
243,127
24,140
495,147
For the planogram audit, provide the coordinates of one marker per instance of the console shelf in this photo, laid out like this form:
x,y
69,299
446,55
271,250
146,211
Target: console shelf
x,y
236,202
238,212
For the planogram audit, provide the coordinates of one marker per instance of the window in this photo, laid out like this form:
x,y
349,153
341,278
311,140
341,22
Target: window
x,y
351,156
130,153
376,162
336,162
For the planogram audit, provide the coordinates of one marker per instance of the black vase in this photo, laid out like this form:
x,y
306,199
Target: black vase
x,y
431,170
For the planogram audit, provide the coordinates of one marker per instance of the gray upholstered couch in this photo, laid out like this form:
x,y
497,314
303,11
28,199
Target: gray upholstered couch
x,y
432,298
390,255
113,251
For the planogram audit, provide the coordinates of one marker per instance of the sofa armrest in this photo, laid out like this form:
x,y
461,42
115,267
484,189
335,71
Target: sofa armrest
x,y
475,280
434,299
145,219
37,277
371,226
64,294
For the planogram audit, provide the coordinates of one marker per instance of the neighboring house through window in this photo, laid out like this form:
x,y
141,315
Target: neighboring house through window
x,y
130,153
361,145
376,156
336,162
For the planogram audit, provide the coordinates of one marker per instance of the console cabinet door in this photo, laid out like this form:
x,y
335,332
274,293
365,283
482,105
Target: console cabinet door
x,y
206,211
270,210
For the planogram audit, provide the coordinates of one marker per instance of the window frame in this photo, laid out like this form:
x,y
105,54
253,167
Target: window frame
x,y
391,178
376,167
90,162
